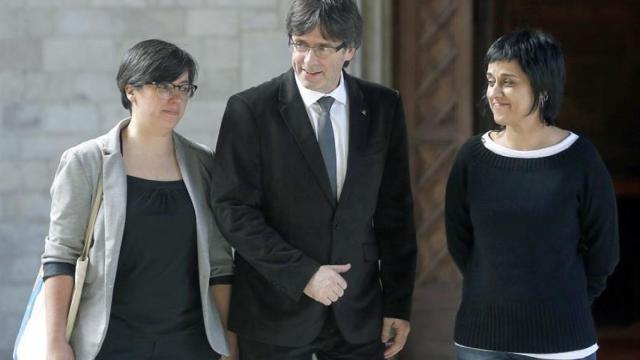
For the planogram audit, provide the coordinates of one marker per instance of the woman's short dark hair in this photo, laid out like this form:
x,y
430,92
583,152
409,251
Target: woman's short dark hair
x,y
336,19
542,60
153,61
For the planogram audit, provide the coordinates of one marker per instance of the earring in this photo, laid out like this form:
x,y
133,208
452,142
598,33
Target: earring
x,y
544,99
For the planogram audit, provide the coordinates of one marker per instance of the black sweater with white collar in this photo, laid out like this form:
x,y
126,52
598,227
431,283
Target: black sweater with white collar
x,y
535,240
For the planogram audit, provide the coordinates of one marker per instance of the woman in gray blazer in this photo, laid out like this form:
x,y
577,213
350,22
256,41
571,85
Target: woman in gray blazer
x,y
158,281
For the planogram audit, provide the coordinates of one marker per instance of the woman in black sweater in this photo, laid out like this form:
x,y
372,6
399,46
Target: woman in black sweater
x,y
530,216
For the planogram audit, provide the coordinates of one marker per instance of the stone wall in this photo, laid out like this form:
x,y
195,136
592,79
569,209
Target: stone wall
x,y
58,62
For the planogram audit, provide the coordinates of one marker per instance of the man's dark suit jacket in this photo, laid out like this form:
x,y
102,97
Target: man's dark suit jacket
x,y
273,203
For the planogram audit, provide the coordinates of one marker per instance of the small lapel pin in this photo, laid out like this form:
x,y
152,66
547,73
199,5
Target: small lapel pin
x,y
364,112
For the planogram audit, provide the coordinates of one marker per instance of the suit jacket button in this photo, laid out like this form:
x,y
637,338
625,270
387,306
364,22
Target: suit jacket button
x,y
336,226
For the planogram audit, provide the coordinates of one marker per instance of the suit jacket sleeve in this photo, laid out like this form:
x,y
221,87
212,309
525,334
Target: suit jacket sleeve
x,y
237,193
394,224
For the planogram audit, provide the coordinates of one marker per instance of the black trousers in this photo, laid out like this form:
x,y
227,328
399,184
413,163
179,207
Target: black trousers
x,y
329,345
189,345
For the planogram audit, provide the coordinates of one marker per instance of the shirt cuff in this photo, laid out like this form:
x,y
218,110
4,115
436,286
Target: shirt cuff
x,y
52,269
221,280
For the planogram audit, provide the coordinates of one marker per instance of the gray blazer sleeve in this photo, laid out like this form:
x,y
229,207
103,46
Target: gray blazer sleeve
x,y
71,196
220,252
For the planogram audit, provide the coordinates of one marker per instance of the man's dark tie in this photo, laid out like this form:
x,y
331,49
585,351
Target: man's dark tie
x,y
327,142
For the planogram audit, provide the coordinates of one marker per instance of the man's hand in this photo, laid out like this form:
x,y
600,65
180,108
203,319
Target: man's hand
x,y
394,335
326,286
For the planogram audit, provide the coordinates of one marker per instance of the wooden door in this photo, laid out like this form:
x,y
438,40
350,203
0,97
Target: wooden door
x,y
433,71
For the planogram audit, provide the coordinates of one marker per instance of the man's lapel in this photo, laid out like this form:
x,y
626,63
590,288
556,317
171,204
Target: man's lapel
x,y
358,130
296,117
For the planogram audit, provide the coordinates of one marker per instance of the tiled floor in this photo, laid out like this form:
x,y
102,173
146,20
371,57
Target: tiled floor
x,y
619,343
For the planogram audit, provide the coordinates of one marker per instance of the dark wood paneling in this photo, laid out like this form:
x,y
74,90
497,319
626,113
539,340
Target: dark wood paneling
x,y
601,41
433,67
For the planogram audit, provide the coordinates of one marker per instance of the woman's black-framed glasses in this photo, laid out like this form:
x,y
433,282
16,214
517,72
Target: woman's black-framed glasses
x,y
166,89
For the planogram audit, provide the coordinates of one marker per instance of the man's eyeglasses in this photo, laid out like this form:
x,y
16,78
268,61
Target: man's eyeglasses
x,y
167,89
321,51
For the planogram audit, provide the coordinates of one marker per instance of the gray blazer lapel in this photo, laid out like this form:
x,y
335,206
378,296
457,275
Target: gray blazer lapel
x,y
191,170
115,198
196,175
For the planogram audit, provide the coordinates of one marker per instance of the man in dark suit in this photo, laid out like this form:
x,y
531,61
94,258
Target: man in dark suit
x,y
312,189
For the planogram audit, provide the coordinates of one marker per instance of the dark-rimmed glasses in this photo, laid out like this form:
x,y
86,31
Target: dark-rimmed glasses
x,y
166,89
321,51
